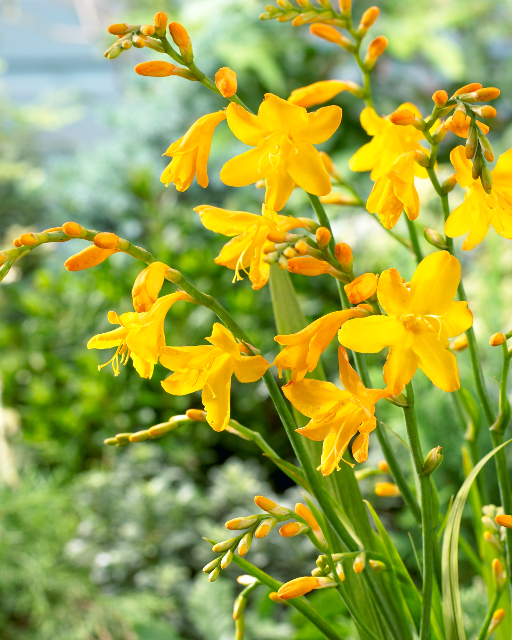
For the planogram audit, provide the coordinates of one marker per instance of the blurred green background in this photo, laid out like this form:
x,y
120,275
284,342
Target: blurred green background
x,y
106,544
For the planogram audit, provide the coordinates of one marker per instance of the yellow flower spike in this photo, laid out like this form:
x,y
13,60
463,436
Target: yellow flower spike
x,y
394,192
301,586
388,143
249,233
323,91
225,81
440,98
303,349
210,368
190,153
89,257
359,563
460,343
497,339
140,335
292,529
504,521
305,513
387,490
265,504
147,286
361,288
480,210
336,415
419,322
265,527
283,136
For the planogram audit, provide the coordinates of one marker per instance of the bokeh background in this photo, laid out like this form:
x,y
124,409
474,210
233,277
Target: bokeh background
x,y
106,544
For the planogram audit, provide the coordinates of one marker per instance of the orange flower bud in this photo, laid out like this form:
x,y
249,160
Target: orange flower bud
x,y
459,115
106,240
359,563
487,93
225,81
308,266
240,523
156,69
121,29
376,48
497,617
387,490
265,527
306,514
91,256
369,17
301,586
179,34
383,466
468,88
147,286
504,521
497,339
343,254
485,111
265,504
138,42
377,566
196,414
331,34
460,343
361,288
16,242
440,98
74,230
140,436
323,237
345,6
147,29
402,117
160,21
301,247
338,198
27,240
275,598
292,529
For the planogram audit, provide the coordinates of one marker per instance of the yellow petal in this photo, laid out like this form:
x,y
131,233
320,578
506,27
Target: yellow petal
x,y
309,396
308,171
460,219
360,447
239,251
436,362
371,122
147,286
142,367
216,393
182,383
250,368
401,364
457,319
315,431
317,93
229,223
462,166
349,378
321,125
372,334
247,168
502,173
276,114
393,295
279,186
434,284
223,339
244,125
186,358
108,340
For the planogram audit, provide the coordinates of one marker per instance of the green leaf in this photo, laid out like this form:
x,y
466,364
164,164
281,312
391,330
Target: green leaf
x,y
452,609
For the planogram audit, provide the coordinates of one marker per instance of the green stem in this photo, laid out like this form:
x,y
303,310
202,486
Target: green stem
x,y
426,515
414,239
487,621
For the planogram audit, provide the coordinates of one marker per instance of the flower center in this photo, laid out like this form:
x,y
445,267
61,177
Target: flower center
x,y
420,322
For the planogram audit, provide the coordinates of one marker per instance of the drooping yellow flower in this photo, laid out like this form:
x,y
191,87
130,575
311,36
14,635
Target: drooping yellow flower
x,y
337,415
303,349
394,191
417,326
140,336
323,91
190,153
245,250
283,135
210,368
480,210
389,142
147,286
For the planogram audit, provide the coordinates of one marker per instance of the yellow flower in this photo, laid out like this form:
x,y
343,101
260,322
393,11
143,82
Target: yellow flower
x,y
245,250
140,336
462,130
337,415
147,286
419,322
190,153
389,142
283,135
323,91
480,210
394,191
303,349
210,368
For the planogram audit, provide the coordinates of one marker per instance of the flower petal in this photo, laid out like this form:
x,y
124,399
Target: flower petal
x,y
142,367
229,223
372,334
279,186
250,368
244,125
457,319
182,383
310,396
308,171
322,124
276,114
393,295
223,339
436,362
317,93
186,358
216,393
349,378
247,168
401,364
462,166
434,284
108,340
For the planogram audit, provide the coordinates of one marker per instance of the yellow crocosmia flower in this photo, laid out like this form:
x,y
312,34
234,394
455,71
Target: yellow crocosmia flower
x,y
303,349
462,130
389,142
140,336
480,210
147,286
210,368
394,191
249,231
320,92
337,415
283,135
190,153
417,326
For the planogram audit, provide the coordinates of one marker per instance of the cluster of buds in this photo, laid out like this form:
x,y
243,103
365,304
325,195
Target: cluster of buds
x,y
494,521
305,12
282,246
154,432
137,35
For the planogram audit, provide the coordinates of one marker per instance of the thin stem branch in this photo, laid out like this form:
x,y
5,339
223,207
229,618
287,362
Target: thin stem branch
x,y
414,239
487,621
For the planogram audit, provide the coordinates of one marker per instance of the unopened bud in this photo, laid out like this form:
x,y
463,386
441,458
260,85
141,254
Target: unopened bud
x,y
497,339
338,198
292,529
301,247
196,414
182,40
223,546
323,237
265,527
114,52
138,42
340,572
422,158
343,254
227,559
499,575
439,134
306,515
449,184
317,572
275,598
245,544
328,163
160,22
359,563
493,541
147,29
239,606
402,117
140,436
440,98
504,521
477,166
214,575
308,266
496,619
486,179
301,586
434,238
468,88
369,17
486,148
156,69
27,240
485,112
375,49
361,288
460,343
459,115
331,34
345,6
282,263
241,523
121,29
225,81
377,566
433,461
89,257
471,143
383,466
387,490
487,93
271,507
211,566
106,240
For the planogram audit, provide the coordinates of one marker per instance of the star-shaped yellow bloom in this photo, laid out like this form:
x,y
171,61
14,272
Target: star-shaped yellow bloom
x,y
303,349
337,415
245,250
190,153
389,142
140,336
283,135
210,368
417,326
480,210
394,191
